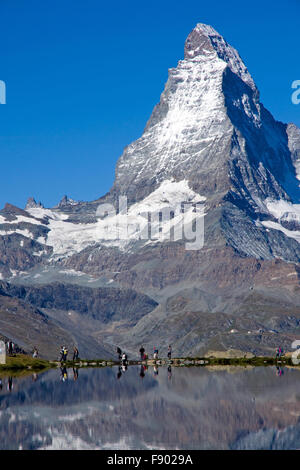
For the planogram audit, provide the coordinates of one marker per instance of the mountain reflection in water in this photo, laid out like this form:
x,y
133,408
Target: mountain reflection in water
x,y
152,408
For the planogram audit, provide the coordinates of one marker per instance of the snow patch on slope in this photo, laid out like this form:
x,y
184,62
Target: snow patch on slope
x,y
120,229
280,207
283,210
295,234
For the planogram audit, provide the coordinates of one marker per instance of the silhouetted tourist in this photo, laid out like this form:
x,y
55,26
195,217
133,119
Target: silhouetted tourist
x,y
10,347
142,352
61,352
169,352
75,354
124,358
65,353
119,352
155,353
279,352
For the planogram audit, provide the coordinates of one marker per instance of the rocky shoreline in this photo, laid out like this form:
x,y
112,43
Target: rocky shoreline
x,y
21,363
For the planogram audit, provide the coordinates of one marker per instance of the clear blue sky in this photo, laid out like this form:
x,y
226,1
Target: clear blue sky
x,y
83,76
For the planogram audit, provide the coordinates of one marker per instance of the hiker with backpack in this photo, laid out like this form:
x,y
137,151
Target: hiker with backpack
x,y
63,353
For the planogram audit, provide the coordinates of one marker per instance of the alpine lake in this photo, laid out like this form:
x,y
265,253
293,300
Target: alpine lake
x,y
145,407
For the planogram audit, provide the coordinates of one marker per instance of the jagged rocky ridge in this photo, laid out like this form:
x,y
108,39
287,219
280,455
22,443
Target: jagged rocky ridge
x,y
209,141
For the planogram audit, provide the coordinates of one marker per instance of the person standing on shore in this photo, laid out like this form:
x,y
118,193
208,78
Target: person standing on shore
x,y
61,352
65,353
124,359
169,352
119,352
142,352
10,347
75,354
279,352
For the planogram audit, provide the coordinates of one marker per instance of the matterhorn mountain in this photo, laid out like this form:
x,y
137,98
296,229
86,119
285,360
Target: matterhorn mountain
x,y
210,153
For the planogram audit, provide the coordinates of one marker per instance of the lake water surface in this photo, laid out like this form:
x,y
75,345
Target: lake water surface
x,y
167,408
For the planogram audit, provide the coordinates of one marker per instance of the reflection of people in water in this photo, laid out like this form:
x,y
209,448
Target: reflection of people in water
x,y
119,374
34,377
142,371
10,385
64,374
155,370
75,372
279,371
169,372
1,385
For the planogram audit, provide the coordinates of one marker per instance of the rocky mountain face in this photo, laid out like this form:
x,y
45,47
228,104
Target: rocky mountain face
x,y
29,327
210,154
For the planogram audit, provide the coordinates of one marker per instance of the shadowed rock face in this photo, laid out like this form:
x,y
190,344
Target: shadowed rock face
x,y
208,139
29,327
103,304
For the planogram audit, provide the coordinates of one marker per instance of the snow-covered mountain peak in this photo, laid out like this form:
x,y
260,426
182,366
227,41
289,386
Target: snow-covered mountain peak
x,y
209,138
206,41
189,132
